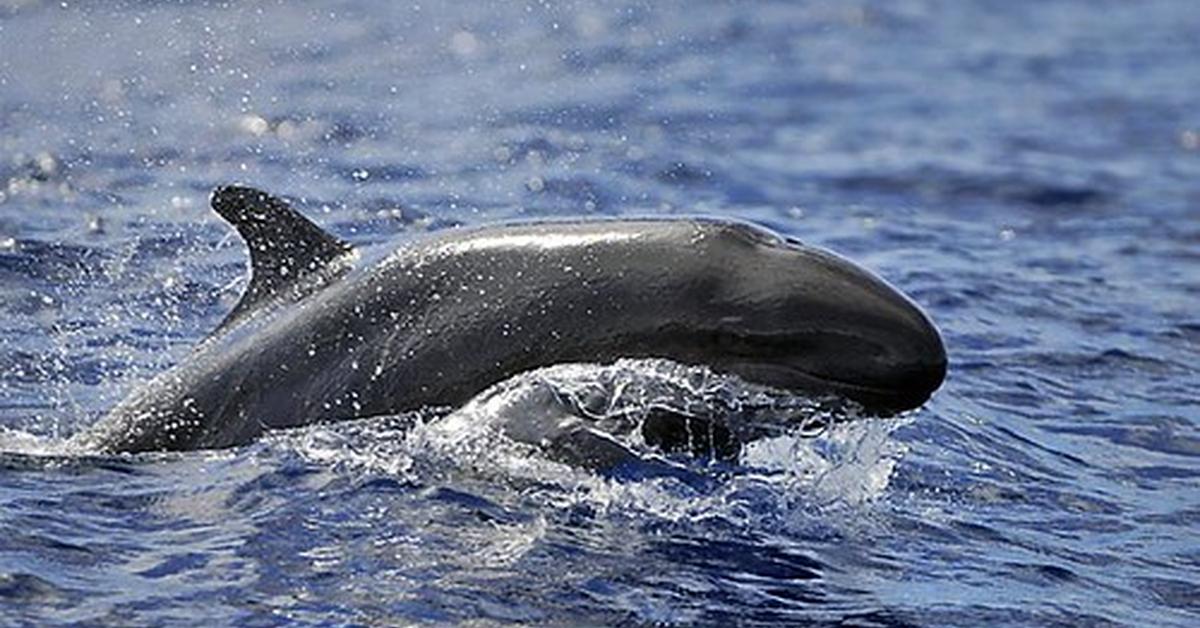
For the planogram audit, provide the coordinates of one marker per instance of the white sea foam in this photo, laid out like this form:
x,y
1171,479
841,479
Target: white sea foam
x,y
807,455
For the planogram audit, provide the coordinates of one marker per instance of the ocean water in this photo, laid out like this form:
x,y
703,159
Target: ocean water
x,y
1028,172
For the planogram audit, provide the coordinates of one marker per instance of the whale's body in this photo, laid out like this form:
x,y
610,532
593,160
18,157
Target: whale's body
x,y
326,333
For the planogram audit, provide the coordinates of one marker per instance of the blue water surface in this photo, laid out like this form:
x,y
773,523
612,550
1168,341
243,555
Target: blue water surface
x,y
1029,172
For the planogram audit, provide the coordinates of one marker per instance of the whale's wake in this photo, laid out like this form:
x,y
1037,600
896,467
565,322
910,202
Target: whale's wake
x,y
20,442
801,452
587,435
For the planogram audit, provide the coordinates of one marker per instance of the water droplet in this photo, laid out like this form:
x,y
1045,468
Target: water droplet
x,y
1190,139
254,124
464,43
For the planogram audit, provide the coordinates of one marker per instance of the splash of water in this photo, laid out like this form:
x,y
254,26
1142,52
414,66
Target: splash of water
x,y
17,441
800,453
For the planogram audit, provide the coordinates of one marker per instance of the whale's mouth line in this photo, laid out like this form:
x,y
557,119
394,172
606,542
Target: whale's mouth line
x,y
791,361
812,382
790,376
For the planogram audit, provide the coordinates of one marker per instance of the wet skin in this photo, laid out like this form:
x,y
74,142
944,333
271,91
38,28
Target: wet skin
x,y
327,333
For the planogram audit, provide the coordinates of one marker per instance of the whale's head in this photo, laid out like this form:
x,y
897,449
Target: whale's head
x,y
791,316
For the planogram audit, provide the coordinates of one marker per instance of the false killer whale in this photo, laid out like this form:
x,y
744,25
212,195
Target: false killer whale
x,y
327,332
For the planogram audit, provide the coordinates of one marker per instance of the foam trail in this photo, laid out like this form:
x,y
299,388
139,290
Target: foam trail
x,y
806,454
20,442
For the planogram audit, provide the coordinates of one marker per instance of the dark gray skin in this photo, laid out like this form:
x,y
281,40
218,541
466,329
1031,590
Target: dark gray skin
x,y
326,333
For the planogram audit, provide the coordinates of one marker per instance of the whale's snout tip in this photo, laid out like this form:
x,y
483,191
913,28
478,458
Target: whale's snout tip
x,y
879,342
924,372
915,365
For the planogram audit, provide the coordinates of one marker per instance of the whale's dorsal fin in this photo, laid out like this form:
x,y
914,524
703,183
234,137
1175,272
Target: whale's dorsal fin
x,y
286,249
